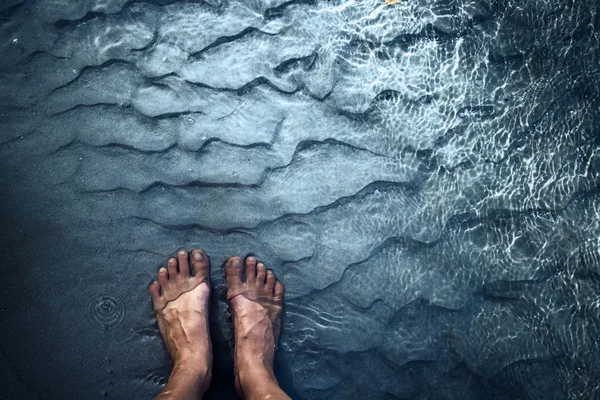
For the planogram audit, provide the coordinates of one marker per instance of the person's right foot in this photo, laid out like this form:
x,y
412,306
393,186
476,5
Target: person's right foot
x,y
256,305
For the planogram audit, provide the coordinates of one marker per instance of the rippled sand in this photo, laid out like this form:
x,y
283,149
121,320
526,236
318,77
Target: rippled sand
x,y
422,176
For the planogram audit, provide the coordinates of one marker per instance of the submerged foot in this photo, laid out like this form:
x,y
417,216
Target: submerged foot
x,y
181,303
256,306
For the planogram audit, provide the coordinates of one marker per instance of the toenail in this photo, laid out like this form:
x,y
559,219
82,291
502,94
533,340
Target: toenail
x,y
172,260
251,258
236,262
198,256
182,253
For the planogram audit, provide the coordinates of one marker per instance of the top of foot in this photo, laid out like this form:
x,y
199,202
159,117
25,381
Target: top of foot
x,y
259,288
181,299
256,305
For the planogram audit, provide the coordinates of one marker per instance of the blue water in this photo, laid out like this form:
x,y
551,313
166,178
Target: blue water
x,y
422,177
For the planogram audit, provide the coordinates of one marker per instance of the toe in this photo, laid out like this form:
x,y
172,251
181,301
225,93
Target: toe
x,y
233,272
184,266
261,273
172,267
163,277
200,264
278,292
270,281
154,290
251,269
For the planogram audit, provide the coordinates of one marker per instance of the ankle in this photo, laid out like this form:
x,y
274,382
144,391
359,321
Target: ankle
x,y
256,379
194,374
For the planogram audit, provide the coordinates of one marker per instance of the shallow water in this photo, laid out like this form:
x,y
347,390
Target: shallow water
x,y
422,177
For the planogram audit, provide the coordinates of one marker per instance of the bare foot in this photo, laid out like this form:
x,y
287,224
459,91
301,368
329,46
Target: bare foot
x,y
256,307
181,301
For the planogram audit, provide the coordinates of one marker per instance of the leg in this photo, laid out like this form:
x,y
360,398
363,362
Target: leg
x,y
181,301
256,307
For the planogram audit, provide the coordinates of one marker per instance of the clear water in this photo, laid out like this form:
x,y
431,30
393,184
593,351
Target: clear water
x,y
423,178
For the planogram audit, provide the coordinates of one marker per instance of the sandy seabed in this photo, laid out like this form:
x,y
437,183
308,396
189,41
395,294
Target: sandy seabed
x,y
422,177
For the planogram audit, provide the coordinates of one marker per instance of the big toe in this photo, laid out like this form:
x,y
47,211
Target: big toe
x,y
233,274
158,301
200,265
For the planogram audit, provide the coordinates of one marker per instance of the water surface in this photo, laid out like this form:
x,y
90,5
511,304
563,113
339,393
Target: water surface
x,y
422,177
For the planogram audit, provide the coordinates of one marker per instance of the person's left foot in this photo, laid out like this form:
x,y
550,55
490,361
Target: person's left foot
x,y
181,302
